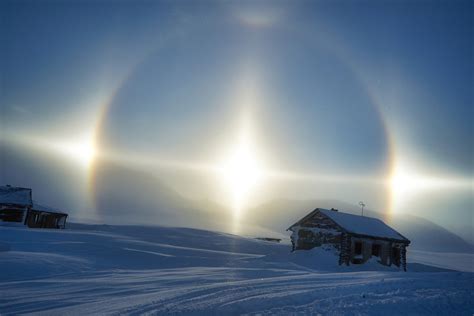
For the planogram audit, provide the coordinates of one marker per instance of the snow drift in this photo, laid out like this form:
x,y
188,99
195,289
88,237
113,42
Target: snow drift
x,y
164,270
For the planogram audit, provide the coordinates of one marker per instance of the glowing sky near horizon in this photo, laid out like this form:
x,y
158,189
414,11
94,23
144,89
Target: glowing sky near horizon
x,y
345,101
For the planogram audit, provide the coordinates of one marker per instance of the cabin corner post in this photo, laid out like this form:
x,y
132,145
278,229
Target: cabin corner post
x,y
344,255
404,257
341,251
27,214
348,249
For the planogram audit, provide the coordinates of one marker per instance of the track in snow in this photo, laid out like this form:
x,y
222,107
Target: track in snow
x,y
130,270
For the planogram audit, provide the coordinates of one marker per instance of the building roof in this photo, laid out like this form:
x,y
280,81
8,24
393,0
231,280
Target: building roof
x,y
359,225
43,208
15,195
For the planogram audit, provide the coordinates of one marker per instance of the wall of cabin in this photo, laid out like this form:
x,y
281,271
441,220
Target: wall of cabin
x,y
12,215
39,219
362,249
387,252
309,237
319,220
316,231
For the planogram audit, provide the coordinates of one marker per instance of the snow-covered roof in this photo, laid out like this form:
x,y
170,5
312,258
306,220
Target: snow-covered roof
x,y
356,224
44,208
362,225
15,195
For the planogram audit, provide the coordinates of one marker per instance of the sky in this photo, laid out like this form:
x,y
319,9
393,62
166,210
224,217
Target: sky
x,y
241,103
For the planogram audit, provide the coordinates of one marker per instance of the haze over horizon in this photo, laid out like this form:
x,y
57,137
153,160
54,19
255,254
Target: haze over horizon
x,y
239,104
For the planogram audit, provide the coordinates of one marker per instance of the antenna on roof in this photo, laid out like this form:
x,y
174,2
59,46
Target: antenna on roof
x,y
362,205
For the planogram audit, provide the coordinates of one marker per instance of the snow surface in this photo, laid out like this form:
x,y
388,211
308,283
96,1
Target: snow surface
x,y
446,260
161,270
362,225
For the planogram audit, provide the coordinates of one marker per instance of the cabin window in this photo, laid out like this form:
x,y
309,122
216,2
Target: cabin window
x,y
357,248
376,249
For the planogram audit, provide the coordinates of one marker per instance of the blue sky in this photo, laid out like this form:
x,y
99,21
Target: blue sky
x,y
333,88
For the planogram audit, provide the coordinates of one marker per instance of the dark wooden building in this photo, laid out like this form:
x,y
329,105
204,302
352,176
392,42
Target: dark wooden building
x,y
357,238
17,208
45,217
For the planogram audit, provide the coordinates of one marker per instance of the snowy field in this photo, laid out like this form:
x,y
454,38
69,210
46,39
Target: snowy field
x,y
157,270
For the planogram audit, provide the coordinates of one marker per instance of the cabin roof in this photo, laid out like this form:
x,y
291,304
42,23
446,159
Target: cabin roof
x,y
358,225
15,195
44,208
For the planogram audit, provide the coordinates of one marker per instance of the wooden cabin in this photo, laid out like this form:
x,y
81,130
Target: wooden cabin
x,y
356,238
17,208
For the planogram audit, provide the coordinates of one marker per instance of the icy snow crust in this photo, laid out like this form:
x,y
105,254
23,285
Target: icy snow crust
x,y
107,270
362,225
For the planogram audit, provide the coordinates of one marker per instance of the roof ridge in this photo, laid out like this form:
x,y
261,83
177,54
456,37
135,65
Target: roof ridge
x,y
357,224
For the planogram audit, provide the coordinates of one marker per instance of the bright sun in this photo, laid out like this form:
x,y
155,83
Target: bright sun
x,y
241,173
82,150
85,153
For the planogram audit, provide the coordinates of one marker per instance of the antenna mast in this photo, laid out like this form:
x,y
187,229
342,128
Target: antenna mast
x,y
362,205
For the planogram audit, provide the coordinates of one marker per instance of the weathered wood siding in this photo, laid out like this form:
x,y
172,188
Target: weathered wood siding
x,y
12,213
345,249
316,231
385,253
320,221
